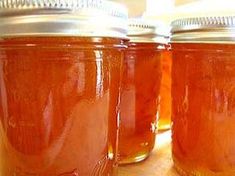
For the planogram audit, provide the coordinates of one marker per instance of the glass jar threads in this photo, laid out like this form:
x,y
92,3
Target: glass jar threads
x,y
203,96
60,68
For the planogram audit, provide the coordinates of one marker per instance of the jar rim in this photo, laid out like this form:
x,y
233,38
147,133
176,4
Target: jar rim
x,y
93,18
146,31
211,29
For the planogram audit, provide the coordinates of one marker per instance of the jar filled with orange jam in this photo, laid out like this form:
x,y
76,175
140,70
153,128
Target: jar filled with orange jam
x,y
164,117
140,91
203,92
60,69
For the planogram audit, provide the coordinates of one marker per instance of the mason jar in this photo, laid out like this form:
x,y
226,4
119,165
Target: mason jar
x,y
60,68
140,91
203,91
164,114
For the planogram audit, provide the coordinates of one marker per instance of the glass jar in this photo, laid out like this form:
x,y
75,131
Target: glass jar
x,y
140,92
203,93
59,87
164,119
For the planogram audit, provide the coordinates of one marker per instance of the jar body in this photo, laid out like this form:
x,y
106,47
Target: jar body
x,y
203,109
58,106
140,89
164,122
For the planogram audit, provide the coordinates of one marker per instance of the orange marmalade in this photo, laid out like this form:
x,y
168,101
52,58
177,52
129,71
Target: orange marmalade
x,y
58,101
203,91
164,122
140,95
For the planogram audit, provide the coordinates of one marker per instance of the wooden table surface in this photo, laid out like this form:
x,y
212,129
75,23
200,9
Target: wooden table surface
x,y
159,162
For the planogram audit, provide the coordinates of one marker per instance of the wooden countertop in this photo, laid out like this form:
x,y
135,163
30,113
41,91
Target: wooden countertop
x,y
159,162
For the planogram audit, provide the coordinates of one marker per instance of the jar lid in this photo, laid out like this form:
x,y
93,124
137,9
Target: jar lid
x,y
88,18
218,29
143,31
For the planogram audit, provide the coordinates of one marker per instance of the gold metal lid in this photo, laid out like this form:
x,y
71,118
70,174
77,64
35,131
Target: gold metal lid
x,y
90,18
219,29
143,31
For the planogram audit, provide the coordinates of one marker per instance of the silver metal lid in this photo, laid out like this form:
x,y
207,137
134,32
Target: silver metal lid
x,y
142,31
91,18
219,29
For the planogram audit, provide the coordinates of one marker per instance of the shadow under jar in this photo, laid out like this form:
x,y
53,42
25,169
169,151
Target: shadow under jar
x,y
59,87
203,91
140,92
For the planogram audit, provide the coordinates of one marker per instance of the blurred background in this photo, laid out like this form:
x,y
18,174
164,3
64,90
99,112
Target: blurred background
x,y
168,10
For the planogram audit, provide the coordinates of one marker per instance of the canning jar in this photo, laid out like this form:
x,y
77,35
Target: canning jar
x,y
140,91
203,92
60,68
164,117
